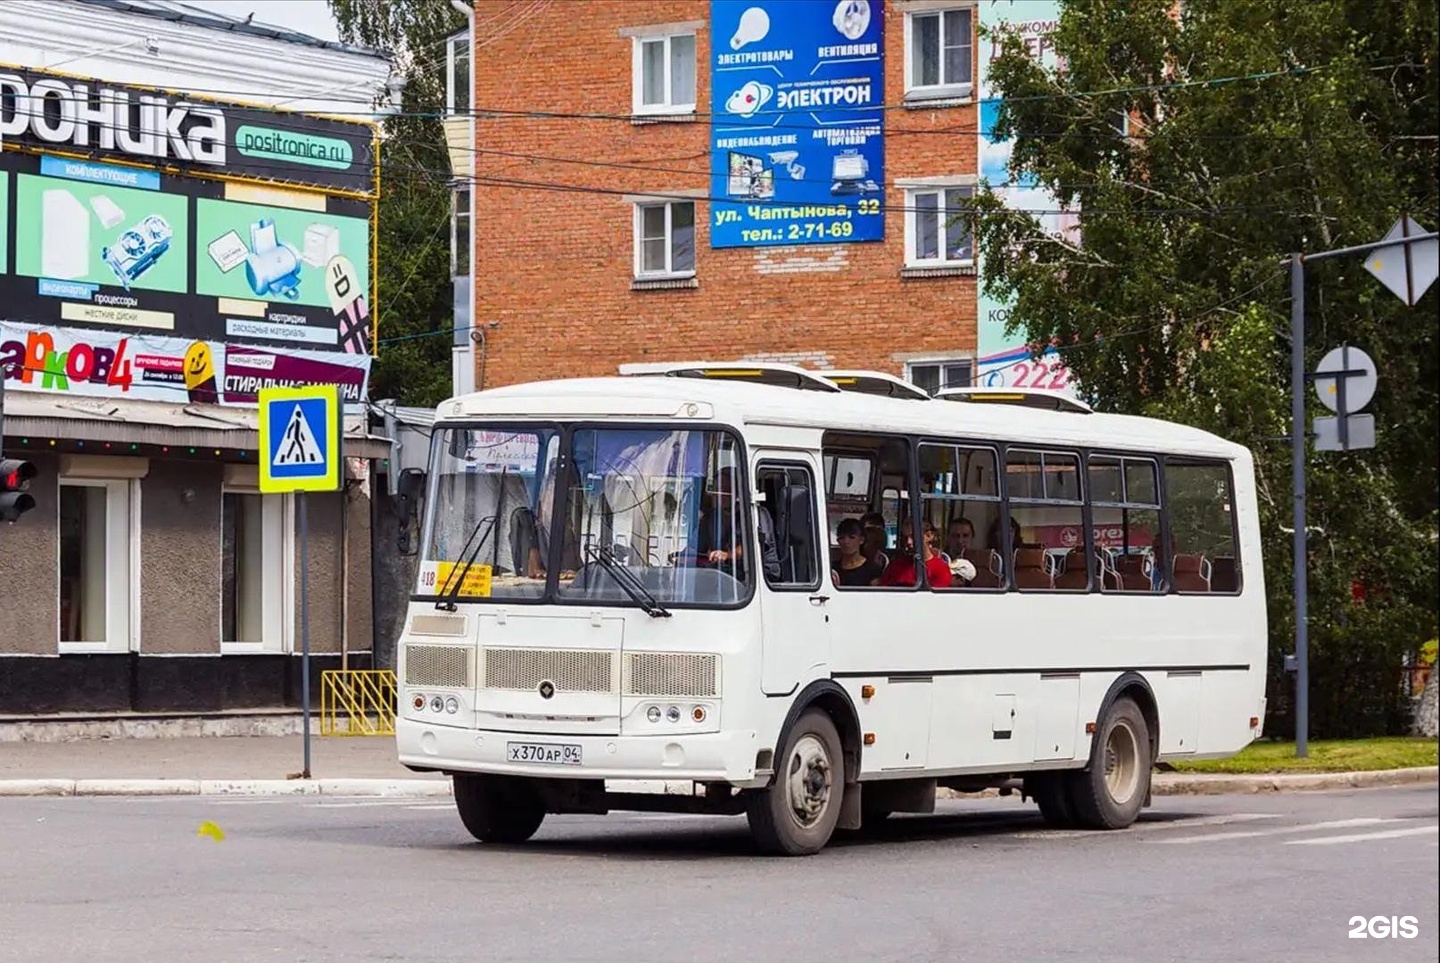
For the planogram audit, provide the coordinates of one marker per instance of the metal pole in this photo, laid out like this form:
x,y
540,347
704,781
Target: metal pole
x,y
1297,447
305,625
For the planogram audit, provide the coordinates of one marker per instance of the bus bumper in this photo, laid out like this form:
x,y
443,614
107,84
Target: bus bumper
x,y
705,757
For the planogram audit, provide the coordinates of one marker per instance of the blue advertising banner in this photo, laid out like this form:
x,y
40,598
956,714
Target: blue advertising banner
x,y
797,129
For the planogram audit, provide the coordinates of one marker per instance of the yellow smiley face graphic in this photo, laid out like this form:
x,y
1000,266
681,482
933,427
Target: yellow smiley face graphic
x,y
199,366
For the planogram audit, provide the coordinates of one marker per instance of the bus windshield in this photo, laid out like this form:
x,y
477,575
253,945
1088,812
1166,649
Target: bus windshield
x,y
489,493
650,516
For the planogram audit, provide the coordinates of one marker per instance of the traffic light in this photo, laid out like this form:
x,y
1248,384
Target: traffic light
x,y
15,477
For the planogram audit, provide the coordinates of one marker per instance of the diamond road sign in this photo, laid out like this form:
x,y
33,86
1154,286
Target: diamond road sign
x,y
300,433
1407,274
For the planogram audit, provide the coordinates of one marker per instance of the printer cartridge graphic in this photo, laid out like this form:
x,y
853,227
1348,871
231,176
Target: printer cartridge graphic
x,y
137,249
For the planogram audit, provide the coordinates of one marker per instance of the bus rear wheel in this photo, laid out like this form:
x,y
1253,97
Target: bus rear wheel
x,y
1110,792
498,809
797,813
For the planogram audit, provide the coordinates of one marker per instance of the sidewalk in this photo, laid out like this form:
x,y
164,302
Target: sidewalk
x,y
366,765
251,764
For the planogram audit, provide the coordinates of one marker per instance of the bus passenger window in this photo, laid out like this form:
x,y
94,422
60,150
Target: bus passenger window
x,y
960,497
1125,513
1047,520
866,499
1202,526
787,532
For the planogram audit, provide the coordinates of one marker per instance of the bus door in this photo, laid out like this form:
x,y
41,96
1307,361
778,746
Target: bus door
x,y
794,585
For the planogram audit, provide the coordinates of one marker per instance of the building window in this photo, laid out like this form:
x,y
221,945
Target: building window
x,y
664,74
934,375
460,232
665,239
95,565
939,53
242,564
936,233
457,74
253,571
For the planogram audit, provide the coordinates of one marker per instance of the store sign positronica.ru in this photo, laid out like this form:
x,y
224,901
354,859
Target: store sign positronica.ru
x,y
43,111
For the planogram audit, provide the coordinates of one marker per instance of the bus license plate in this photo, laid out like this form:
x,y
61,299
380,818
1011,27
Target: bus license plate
x,y
542,753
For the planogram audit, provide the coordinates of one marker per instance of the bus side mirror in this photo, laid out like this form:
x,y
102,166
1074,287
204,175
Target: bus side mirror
x,y
410,489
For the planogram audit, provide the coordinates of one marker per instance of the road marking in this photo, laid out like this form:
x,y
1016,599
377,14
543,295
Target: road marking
x,y
1151,826
1302,828
1364,837
446,806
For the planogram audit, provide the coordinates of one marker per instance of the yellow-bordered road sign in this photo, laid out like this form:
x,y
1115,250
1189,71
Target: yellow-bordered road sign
x,y
300,435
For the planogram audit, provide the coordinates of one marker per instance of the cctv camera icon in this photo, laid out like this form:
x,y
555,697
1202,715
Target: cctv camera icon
x,y
787,158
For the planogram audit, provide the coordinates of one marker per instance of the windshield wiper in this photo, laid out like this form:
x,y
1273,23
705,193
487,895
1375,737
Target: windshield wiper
x,y
627,581
457,574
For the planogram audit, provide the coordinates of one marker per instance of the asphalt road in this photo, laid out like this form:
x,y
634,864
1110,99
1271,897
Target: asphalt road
x,y
1237,878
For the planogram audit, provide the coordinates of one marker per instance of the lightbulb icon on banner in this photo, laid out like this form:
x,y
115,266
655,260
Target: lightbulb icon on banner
x,y
754,25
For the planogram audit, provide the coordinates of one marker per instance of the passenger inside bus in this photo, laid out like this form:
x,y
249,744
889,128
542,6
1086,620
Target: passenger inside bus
x,y
958,538
852,568
872,525
721,539
901,570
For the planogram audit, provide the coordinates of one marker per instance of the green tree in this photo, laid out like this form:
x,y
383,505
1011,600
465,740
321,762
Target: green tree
x,y
1176,301
415,304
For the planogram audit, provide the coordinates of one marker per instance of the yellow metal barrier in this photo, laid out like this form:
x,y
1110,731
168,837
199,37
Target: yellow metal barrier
x,y
364,698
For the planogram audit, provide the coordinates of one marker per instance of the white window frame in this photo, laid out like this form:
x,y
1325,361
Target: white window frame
x,y
277,553
940,187
939,361
940,91
122,567
460,267
453,46
638,239
637,76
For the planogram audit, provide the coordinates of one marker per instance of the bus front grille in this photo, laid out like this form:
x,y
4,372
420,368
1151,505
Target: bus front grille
x,y
672,674
569,670
442,666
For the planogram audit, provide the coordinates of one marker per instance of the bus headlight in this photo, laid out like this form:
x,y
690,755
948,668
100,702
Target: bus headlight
x,y
673,713
452,705
436,703
653,714
698,713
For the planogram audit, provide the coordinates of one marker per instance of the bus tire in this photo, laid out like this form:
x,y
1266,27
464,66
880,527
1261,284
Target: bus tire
x,y
1109,793
796,814
1051,792
497,809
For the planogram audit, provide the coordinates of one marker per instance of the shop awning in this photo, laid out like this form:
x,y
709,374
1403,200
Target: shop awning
x,y
45,416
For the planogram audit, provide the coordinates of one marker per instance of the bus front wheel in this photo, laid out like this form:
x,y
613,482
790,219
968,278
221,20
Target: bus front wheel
x,y
1109,793
498,809
797,813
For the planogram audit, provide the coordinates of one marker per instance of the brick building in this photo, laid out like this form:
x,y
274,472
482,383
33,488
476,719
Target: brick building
x,y
595,240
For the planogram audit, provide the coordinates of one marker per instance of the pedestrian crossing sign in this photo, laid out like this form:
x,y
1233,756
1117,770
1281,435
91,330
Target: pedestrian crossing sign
x,y
300,433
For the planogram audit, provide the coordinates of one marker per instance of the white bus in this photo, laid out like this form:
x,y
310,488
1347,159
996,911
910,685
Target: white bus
x,y
694,588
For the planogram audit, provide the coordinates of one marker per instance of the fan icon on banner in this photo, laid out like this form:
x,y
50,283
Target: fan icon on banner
x,y
749,99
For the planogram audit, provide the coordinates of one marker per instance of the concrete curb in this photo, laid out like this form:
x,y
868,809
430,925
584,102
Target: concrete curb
x,y
1207,784
387,788
1164,784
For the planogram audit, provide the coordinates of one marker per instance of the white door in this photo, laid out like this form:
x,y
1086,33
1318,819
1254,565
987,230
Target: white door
x,y
795,623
